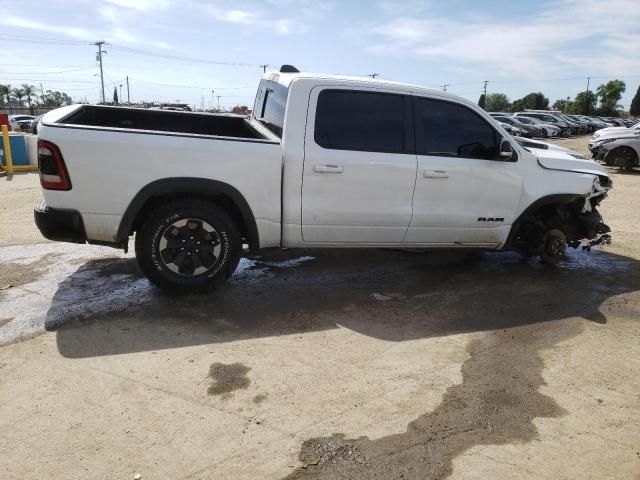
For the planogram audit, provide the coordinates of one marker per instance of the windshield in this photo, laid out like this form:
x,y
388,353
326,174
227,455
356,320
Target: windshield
x,y
270,105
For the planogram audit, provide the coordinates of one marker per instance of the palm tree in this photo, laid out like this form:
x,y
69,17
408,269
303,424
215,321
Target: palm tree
x,y
29,91
4,92
18,95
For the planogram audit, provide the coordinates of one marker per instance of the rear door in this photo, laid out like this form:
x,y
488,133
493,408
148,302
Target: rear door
x,y
359,166
464,194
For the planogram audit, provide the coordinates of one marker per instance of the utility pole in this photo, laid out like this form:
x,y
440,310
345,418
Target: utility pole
x,y
99,44
264,67
485,88
128,98
588,97
42,93
444,87
218,96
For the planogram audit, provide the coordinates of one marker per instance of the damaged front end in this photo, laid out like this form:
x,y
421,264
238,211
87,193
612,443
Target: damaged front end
x,y
547,231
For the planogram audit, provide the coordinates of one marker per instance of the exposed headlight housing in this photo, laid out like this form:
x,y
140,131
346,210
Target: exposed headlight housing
x,y
599,143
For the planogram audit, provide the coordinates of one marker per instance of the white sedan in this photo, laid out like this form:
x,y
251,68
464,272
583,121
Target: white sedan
x,y
14,120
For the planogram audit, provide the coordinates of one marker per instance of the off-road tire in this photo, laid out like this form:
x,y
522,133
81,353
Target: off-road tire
x,y
212,222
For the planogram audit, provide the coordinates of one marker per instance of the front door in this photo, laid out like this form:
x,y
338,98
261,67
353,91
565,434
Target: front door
x,y
465,195
359,166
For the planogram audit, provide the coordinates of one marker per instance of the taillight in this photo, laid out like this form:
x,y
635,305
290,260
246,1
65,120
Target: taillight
x,y
53,172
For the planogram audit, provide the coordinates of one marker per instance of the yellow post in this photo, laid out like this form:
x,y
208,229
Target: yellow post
x,y
7,149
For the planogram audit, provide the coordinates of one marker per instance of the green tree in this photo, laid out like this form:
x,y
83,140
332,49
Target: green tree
x,y
517,106
583,103
482,101
497,102
4,93
533,101
609,95
29,91
18,95
565,106
536,101
56,99
635,104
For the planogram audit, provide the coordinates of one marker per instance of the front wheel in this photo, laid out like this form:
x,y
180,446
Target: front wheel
x,y
555,247
188,246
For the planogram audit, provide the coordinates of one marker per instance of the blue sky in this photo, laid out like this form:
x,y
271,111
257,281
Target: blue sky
x,y
548,46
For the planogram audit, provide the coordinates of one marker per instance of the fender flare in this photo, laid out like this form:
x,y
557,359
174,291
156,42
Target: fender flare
x,y
201,187
558,198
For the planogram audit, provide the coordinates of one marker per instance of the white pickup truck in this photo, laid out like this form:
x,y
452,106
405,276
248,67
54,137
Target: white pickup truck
x,y
323,161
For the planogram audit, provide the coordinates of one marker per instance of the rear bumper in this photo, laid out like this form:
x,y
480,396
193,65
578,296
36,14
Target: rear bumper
x,y
61,225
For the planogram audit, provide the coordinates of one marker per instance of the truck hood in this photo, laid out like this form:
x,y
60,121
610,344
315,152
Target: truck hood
x,y
568,161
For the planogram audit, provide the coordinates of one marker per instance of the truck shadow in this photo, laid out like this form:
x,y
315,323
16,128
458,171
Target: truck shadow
x,y
107,308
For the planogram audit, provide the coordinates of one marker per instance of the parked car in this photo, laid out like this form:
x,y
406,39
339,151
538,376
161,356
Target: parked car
x,y
576,126
323,161
604,132
515,131
565,128
548,130
530,143
621,152
608,135
596,122
31,126
17,121
527,130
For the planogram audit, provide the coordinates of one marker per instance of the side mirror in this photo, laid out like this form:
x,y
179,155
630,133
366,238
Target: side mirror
x,y
506,151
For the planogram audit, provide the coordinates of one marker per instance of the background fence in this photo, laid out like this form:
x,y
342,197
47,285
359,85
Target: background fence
x,y
25,110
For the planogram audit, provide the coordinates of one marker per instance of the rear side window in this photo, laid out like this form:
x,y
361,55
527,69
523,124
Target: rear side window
x,y
363,121
448,129
270,105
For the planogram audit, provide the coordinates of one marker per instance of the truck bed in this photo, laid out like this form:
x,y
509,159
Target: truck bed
x,y
163,121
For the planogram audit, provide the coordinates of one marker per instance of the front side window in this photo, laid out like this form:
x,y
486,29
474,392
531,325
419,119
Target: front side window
x,y
362,121
448,129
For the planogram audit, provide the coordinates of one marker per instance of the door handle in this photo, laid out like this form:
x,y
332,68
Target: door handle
x,y
435,174
328,168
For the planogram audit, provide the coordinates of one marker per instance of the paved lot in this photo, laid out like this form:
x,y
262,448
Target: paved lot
x,y
467,365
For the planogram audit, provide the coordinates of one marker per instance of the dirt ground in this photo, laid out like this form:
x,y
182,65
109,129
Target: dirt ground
x,y
462,365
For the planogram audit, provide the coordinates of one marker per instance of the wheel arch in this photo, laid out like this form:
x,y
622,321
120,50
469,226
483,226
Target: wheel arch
x,y
159,191
621,148
542,202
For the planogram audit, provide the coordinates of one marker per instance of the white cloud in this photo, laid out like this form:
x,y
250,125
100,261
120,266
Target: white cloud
x,y
20,22
141,5
528,47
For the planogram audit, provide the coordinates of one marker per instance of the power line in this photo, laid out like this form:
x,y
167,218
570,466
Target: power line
x,y
51,73
42,40
49,80
191,86
44,66
185,59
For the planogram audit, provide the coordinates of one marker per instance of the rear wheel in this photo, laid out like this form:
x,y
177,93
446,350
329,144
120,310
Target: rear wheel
x,y
188,246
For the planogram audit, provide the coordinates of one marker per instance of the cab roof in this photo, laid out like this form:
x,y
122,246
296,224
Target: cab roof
x,y
285,78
